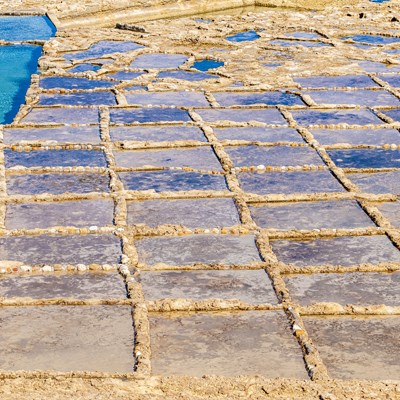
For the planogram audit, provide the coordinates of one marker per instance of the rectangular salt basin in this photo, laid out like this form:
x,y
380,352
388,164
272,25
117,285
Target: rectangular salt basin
x,y
64,82
255,134
391,211
394,114
227,99
48,249
311,215
68,213
378,67
85,67
55,158
124,75
157,133
142,115
197,158
372,39
225,344
289,182
103,48
197,249
93,285
57,183
186,75
366,158
357,288
303,35
378,182
158,60
369,98
165,181
61,338
249,286
62,116
357,136
269,116
64,134
273,156
78,99
335,117
331,82
304,43
392,80
183,99
357,347
192,213
134,88
346,251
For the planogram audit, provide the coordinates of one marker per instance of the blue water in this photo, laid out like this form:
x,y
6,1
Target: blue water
x,y
372,39
65,82
186,75
19,61
304,43
204,21
17,64
141,115
164,181
205,65
103,48
84,67
248,36
18,29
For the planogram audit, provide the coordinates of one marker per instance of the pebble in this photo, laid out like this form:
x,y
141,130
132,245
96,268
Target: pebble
x,y
124,272
81,267
297,327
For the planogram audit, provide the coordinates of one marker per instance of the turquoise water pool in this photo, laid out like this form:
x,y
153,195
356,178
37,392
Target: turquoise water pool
x,y
14,82
19,29
19,61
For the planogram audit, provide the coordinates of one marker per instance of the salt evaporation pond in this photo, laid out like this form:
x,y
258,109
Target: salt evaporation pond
x,y
18,61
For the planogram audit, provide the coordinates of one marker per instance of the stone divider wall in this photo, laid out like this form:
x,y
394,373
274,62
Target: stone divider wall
x,y
74,13
71,8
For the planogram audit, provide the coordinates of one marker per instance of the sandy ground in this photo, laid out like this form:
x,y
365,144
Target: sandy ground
x,y
193,388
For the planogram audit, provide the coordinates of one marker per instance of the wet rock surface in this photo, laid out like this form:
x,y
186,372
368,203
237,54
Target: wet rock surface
x,y
222,344
357,347
77,286
79,338
249,286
